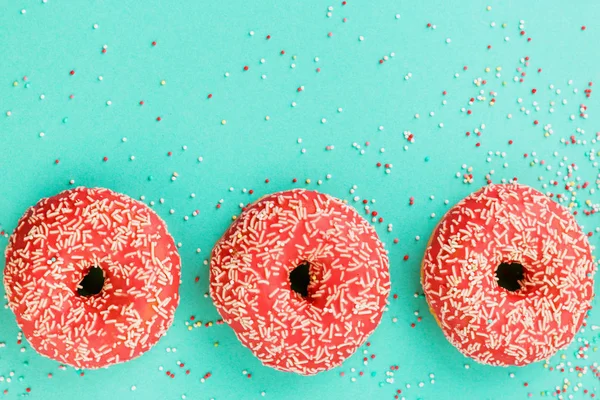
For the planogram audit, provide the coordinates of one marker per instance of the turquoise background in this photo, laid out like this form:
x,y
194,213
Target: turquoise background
x,y
197,43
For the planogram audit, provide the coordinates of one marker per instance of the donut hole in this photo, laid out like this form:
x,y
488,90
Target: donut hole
x,y
92,283
300,279
509,276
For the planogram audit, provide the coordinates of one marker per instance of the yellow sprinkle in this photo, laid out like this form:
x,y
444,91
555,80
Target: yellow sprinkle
x,y
489,8
15,83
267,118
588,202
210,323
307,181
223,122
163,82
504,83
294,57
233,217
498,69
487,69
546,134
504,25
190,328
546,365
216,344
563,357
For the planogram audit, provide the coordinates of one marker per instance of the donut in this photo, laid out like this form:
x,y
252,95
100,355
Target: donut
x,y
302,279
508,275
92,277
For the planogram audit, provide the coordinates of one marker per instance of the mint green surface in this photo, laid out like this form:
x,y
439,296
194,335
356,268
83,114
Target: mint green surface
x,y
198,42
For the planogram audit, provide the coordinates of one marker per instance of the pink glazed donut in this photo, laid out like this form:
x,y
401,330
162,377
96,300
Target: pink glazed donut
x,y
302,279
508,275
92,277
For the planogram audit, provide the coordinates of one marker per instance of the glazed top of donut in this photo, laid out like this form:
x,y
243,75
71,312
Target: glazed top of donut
x,y
54,246
508,224
349,280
